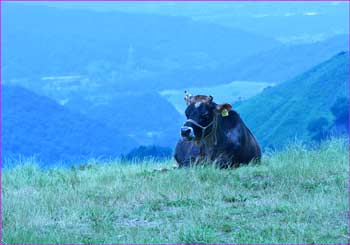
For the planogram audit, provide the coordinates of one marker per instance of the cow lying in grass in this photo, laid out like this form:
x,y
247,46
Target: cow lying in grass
x,y
219,131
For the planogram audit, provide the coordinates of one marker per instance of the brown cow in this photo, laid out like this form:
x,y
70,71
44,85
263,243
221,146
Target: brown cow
x,y
227,141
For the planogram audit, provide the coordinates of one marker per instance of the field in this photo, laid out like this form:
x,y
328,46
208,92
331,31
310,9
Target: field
x,y
298,195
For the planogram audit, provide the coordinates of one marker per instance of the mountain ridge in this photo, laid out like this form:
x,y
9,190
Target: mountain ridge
x,y
122,48
287,61
281,113
34,125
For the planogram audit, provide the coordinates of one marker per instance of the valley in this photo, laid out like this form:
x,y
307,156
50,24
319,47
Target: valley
x,y
233,92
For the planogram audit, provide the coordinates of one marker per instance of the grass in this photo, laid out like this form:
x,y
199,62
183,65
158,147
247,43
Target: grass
x,y
295,196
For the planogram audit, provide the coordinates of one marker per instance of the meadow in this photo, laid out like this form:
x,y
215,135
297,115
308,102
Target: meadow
x,y
298,195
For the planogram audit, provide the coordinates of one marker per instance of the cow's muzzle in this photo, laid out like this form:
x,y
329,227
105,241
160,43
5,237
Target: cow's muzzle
x,y
187,132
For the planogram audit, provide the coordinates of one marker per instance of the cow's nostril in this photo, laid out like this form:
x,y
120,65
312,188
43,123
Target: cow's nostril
x,y
185,131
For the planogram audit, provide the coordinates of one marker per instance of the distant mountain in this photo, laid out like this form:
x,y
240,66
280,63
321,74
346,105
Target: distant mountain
x,y
287,61
229,92
281,113
34,125
146,117
290,22
119,51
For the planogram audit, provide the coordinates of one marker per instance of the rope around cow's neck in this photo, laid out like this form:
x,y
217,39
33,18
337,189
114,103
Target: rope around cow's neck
x,y
214,123
213,131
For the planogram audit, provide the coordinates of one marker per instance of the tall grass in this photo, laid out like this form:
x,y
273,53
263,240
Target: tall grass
x,y
295,196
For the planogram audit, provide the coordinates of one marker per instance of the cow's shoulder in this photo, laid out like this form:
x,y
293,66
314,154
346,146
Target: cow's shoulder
x,y
231,121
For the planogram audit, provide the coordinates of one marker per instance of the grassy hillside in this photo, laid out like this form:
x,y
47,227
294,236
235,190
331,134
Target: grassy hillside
x,y
283,112
295,196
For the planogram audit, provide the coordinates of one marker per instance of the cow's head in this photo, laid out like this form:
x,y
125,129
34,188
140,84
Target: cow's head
x,y
201,113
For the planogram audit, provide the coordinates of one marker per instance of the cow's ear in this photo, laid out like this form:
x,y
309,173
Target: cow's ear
x,y
224,109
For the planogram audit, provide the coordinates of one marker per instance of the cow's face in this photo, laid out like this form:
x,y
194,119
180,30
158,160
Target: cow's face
x,y
200,113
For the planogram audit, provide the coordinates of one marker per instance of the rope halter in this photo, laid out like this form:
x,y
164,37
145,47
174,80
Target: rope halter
x,y
212,123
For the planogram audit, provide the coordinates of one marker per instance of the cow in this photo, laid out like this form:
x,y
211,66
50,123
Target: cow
x,y
187,152
225,138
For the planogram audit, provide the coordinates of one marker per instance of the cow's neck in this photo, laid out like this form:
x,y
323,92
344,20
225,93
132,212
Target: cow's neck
x,y
212,141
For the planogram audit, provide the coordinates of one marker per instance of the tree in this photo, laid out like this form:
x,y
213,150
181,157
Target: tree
x,y
340,110
149,152
318,128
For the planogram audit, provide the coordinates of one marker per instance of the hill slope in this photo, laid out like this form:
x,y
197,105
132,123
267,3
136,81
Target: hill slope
x,y
293,197
283,112
287,61
36,125
148,118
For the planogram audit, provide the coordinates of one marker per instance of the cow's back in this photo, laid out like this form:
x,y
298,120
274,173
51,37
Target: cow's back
x,y
252,151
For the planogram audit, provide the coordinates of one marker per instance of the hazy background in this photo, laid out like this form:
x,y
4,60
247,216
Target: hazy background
x,y
101,80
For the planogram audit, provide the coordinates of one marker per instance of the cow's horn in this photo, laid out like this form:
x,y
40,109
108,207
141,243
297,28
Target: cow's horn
x,y
188,97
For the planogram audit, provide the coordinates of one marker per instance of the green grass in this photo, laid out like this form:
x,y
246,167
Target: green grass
x,y
294,196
